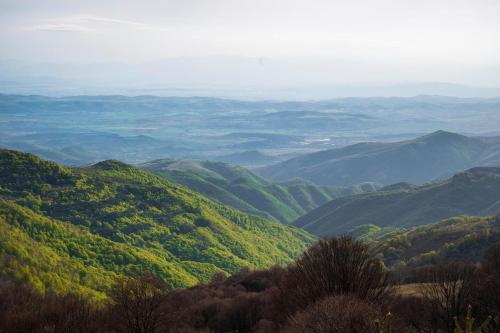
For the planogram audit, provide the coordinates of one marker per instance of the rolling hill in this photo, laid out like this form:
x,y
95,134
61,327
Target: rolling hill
x,y
240,188
461,238
78,229
473,192
436,155
249,158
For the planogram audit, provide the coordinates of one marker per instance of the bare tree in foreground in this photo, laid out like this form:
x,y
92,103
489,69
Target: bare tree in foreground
x,y
448,291
137,304
335,267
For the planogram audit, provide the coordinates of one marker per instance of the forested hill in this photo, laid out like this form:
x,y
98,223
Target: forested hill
x,y
242,189
78,229
426,158
460,238
473,192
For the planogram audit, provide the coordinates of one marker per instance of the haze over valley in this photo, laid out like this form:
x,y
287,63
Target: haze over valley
x,y
86,129
245,166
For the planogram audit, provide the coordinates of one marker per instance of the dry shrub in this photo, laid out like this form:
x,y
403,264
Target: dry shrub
x,y
137,304
448,292
22,309
485,290
414,314
335,314
334,267
243,302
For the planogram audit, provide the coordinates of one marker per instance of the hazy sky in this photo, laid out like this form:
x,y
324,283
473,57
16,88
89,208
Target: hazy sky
x,y
445,40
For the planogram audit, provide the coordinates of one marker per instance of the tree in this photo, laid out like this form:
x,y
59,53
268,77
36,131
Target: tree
x,y
486,289
335,314
448,290
137,303
337,266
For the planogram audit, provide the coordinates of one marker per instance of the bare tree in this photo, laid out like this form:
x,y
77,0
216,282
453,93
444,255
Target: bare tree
x,y
24,309
337,266
486,289
137,304
448,290
336,314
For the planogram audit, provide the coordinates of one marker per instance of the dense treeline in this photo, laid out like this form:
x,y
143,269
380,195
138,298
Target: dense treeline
x,y
337,285
460,238
242,189
471,192
79,229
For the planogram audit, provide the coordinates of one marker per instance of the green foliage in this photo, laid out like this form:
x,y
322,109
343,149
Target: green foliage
x,y
79,229
461,238
238,187
385,327
469,323
373,232
473,192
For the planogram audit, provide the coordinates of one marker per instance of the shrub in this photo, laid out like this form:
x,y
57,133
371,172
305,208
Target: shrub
x,y
335,314
334,267
23,309
137,304
449,291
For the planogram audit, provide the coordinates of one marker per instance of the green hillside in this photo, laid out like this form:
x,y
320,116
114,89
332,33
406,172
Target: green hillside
x,y
239,188
78,229
474,192
416,161
462,238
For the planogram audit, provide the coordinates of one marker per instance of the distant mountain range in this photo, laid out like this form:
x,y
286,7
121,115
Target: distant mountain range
x,y
82,130
473,192
230,77
249,158
240,188
79,229
437,155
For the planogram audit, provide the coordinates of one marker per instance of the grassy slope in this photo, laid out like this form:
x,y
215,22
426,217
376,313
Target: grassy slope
x,y
112,219
238,187
474,192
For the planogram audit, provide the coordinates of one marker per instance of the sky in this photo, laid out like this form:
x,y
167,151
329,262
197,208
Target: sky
x,y
274,41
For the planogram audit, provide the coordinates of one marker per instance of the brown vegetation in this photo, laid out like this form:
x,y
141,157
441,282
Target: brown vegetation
x,y
337,267
335,286
335,314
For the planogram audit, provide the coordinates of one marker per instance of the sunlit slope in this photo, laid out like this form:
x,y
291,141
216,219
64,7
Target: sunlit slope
x,y
115,219
461,238
240,188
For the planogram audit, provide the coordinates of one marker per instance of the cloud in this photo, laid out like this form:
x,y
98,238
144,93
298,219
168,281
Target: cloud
x,y
108,20
60,27
113,21
87,23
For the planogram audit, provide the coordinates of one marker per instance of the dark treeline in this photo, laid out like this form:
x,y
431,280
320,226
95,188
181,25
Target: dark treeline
x,y
335,286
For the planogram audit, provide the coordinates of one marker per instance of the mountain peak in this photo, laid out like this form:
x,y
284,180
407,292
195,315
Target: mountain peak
x,y
444,134
441,136
398,187
111,165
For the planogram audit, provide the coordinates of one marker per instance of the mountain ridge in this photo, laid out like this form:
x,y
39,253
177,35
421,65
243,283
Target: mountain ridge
x,y
415,161
473,192
460,238
242,189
